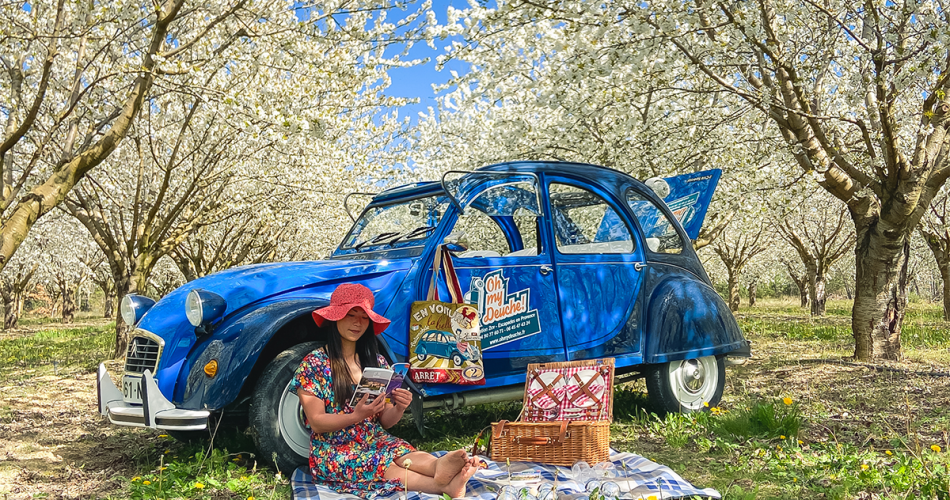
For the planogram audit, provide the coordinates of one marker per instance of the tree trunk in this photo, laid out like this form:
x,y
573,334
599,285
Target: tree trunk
x,y
817,290
10,313
752,288
733,291
945,274
69,306
108,306
123,287
880,298
803,295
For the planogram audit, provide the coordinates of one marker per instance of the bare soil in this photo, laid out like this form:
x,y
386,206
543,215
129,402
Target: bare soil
x,y
53,443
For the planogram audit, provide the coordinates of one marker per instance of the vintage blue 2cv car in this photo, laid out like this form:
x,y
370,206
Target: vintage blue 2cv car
x,y
589,263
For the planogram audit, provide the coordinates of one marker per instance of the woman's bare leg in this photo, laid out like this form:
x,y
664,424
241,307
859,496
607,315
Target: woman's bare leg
x,y
427,484
422,462
442,469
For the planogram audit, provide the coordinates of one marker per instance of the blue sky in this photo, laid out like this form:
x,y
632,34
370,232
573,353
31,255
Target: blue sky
x,y
417,81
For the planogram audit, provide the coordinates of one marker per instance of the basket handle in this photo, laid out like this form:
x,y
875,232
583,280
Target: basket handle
x,y
543,440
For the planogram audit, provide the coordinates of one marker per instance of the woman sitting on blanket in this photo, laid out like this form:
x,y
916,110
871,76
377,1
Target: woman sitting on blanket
x,y
350,451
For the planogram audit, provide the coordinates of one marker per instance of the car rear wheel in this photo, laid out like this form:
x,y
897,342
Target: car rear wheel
x,y
276,417
684,386
421,356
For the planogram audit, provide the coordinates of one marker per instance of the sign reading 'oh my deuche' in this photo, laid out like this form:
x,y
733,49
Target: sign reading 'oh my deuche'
x,y
505,317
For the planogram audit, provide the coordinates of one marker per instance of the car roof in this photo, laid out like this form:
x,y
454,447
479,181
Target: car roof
x,y
586,170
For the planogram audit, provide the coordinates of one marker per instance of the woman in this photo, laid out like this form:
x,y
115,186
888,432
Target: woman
x,y
350,451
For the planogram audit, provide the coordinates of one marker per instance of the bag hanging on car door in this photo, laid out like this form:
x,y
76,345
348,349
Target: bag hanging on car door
x,y
445,340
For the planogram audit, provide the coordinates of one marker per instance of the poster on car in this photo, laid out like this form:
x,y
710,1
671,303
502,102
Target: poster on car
x,y
444,337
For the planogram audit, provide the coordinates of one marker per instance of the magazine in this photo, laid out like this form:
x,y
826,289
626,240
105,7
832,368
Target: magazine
x,y
378,381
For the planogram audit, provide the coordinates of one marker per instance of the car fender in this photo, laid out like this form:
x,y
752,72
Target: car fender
x,y
237,347
686,318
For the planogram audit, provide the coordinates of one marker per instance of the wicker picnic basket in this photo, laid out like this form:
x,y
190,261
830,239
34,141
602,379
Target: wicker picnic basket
x,y
566,416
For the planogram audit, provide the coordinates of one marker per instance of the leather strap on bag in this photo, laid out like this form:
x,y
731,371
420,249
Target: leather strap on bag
x,y
537,440
443,260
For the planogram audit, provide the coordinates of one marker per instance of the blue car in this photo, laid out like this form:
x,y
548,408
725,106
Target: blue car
x,y
564,261
444,345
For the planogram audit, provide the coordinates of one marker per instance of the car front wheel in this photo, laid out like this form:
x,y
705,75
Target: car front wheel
x,y
276,417
457,359
684,386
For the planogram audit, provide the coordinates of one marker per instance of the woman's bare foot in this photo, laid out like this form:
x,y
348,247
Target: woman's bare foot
x,y
448,466
456,488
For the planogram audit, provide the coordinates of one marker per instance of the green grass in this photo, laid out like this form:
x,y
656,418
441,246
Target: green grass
x,y
229,469
82,348
848,433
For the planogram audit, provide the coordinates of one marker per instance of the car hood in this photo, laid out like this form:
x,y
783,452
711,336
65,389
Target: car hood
x,y
241,286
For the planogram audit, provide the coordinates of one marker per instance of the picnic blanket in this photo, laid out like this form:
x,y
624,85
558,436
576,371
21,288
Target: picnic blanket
x,y
638,479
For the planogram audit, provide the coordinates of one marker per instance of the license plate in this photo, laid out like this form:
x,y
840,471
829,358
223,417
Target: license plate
x,y
132,388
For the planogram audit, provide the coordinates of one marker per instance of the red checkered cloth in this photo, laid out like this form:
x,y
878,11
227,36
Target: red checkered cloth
x,y
571,393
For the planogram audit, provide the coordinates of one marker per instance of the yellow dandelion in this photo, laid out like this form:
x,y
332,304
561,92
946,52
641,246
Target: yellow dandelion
x,y
651,497
250,498
199,486
243,478
794,479
706,404
781,437
888,453
161,469
136,478
800,442
779,448
168,451
787,400
146,482
935,448
163,435
864,466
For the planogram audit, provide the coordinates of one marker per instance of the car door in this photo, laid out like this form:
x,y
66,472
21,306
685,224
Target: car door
x,y
507,272
598,271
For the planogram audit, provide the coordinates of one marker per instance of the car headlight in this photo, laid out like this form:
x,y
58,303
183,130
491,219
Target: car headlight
x,y
203,307
133,307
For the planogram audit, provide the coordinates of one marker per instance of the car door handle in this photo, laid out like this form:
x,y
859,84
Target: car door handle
x,y
638,266
546,270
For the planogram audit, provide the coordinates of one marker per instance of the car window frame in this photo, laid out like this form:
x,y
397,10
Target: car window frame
x,y
665,210
620,209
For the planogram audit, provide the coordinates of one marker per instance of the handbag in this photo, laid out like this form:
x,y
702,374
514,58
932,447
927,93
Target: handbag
x,y
568,407
445,340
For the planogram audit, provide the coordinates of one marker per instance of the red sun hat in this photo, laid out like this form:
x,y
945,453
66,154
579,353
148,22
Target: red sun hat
x,y
346,297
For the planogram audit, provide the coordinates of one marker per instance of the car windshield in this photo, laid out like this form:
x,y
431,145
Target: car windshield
x,y
406,223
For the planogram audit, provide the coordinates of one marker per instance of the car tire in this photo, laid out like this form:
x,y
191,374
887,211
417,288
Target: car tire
x,y
683,386
276,417
421,356
457,359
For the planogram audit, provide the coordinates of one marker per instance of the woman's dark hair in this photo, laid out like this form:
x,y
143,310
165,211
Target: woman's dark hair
x,y
367,348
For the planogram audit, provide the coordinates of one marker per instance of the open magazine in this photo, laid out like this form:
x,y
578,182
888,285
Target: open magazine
x,y
379,381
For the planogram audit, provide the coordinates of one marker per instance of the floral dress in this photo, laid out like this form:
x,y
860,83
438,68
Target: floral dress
x,y
354,459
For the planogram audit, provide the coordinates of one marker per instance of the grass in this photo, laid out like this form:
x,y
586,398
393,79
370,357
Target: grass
x,y
786,428
79,348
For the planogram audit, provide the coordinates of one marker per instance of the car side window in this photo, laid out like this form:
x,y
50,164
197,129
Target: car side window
x,y
658,232
481,232
585,223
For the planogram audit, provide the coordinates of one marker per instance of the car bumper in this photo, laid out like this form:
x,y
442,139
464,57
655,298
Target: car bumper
x,y
155,411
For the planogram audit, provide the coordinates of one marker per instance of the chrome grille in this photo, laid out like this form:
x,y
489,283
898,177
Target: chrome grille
x,y
142,355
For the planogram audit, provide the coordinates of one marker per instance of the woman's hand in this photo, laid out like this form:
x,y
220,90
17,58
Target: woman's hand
x,y
401,398
400,401
365,409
